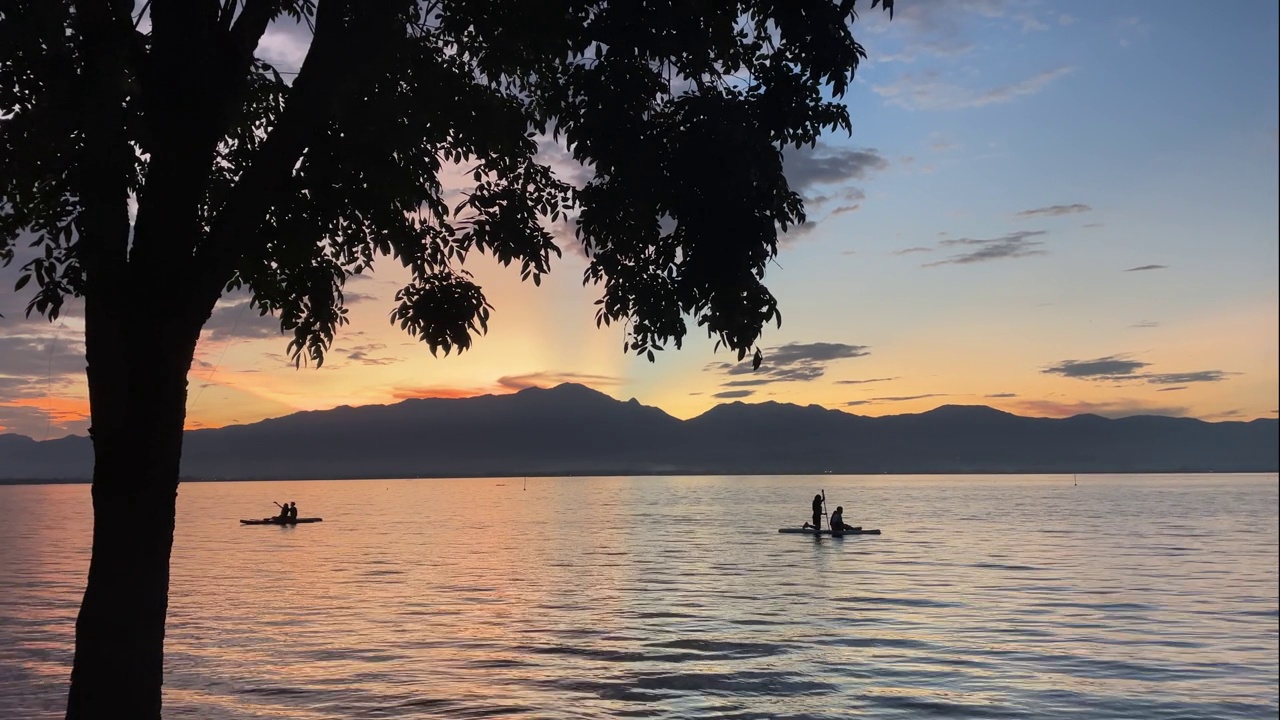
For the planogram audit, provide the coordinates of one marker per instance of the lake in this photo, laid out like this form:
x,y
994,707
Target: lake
x,y
675,597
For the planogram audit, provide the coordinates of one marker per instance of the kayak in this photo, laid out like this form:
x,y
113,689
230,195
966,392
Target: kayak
x,y
809,531
279,521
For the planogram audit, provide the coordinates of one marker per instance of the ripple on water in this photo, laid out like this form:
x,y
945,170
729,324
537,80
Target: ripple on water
x,y
626,597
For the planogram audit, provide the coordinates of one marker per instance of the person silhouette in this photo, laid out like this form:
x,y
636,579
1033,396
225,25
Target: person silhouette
x,y
817,514
837,520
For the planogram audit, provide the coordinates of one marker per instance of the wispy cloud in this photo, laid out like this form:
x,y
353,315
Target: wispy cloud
x,y
1145,324
238,320
733,394
1199,376
912,250
1141,268
1111,409
930,92
864,382
893,399
363,354
1055,210
826,165
549,379
1109,367
1001,395
793,362
1121,368
1014,245
946,28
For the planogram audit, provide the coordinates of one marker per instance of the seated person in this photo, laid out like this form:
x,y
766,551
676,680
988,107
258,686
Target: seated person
x,y
837,521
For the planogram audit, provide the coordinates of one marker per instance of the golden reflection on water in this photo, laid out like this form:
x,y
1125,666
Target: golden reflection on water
x,y
675,597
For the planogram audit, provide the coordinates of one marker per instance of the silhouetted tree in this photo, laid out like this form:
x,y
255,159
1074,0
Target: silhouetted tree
x,y
242,179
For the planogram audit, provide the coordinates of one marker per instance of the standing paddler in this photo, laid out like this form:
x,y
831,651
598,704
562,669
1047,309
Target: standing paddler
x,y
818,512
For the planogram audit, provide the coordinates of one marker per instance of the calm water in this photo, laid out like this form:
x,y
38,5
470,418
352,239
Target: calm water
x,y
1009,597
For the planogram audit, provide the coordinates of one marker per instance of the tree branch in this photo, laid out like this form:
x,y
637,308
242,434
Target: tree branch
x,y
351,44
249,28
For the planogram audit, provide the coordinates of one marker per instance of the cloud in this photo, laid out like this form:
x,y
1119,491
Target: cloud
x,y
910,250
285,44
1093,225
893,399
1001,395
1119,368
239,320
793,362
55,354
843,200
746,383
929,92
1110,367
515,383
505,385
1171,389
1055,210
864,382
352,298
45,417
733,394
1200,376
826,165
943,28
833,168
435,391
1111,408
360,354
1145,324
1014,245
1141,268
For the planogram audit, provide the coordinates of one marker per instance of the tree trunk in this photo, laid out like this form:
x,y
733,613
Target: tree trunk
x,y
119,659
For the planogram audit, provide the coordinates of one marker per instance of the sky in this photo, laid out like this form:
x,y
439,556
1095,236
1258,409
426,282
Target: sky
x,y
1048,208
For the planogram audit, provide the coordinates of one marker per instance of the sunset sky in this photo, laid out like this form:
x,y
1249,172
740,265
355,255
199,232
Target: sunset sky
x,y
1049,208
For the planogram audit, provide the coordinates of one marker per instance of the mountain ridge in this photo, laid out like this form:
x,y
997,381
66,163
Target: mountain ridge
x,y
572,429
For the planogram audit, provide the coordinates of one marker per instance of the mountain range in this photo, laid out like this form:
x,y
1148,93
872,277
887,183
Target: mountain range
x,y
572,429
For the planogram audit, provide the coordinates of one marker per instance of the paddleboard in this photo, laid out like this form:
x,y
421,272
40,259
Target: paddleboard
x,y
809,531
278,521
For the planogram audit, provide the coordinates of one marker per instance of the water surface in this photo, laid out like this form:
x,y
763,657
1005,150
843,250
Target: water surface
x,y
986,597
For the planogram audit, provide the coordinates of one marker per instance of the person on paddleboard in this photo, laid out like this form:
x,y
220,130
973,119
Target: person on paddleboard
x,y
837,520
817,514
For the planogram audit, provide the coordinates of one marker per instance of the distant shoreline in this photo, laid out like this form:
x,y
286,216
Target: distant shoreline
x,y
548,476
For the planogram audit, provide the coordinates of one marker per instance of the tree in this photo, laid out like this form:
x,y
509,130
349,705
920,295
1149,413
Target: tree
x,y
245,180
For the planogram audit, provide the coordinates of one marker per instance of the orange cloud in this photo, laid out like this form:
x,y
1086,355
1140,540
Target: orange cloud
x,y
59,410
1106,408
505,385
412,393
551,379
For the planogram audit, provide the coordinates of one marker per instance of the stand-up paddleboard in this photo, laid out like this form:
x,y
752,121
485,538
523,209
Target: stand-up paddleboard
x,y
810,531
279,521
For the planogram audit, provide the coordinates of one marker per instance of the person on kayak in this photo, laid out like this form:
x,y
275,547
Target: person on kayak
x,y
837,520
284,511
817,514
293,510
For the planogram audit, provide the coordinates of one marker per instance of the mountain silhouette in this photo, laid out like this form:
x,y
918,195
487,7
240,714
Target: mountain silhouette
x,y
571,429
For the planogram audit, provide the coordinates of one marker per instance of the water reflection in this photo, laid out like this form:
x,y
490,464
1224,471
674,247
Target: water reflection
x,y
675,597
